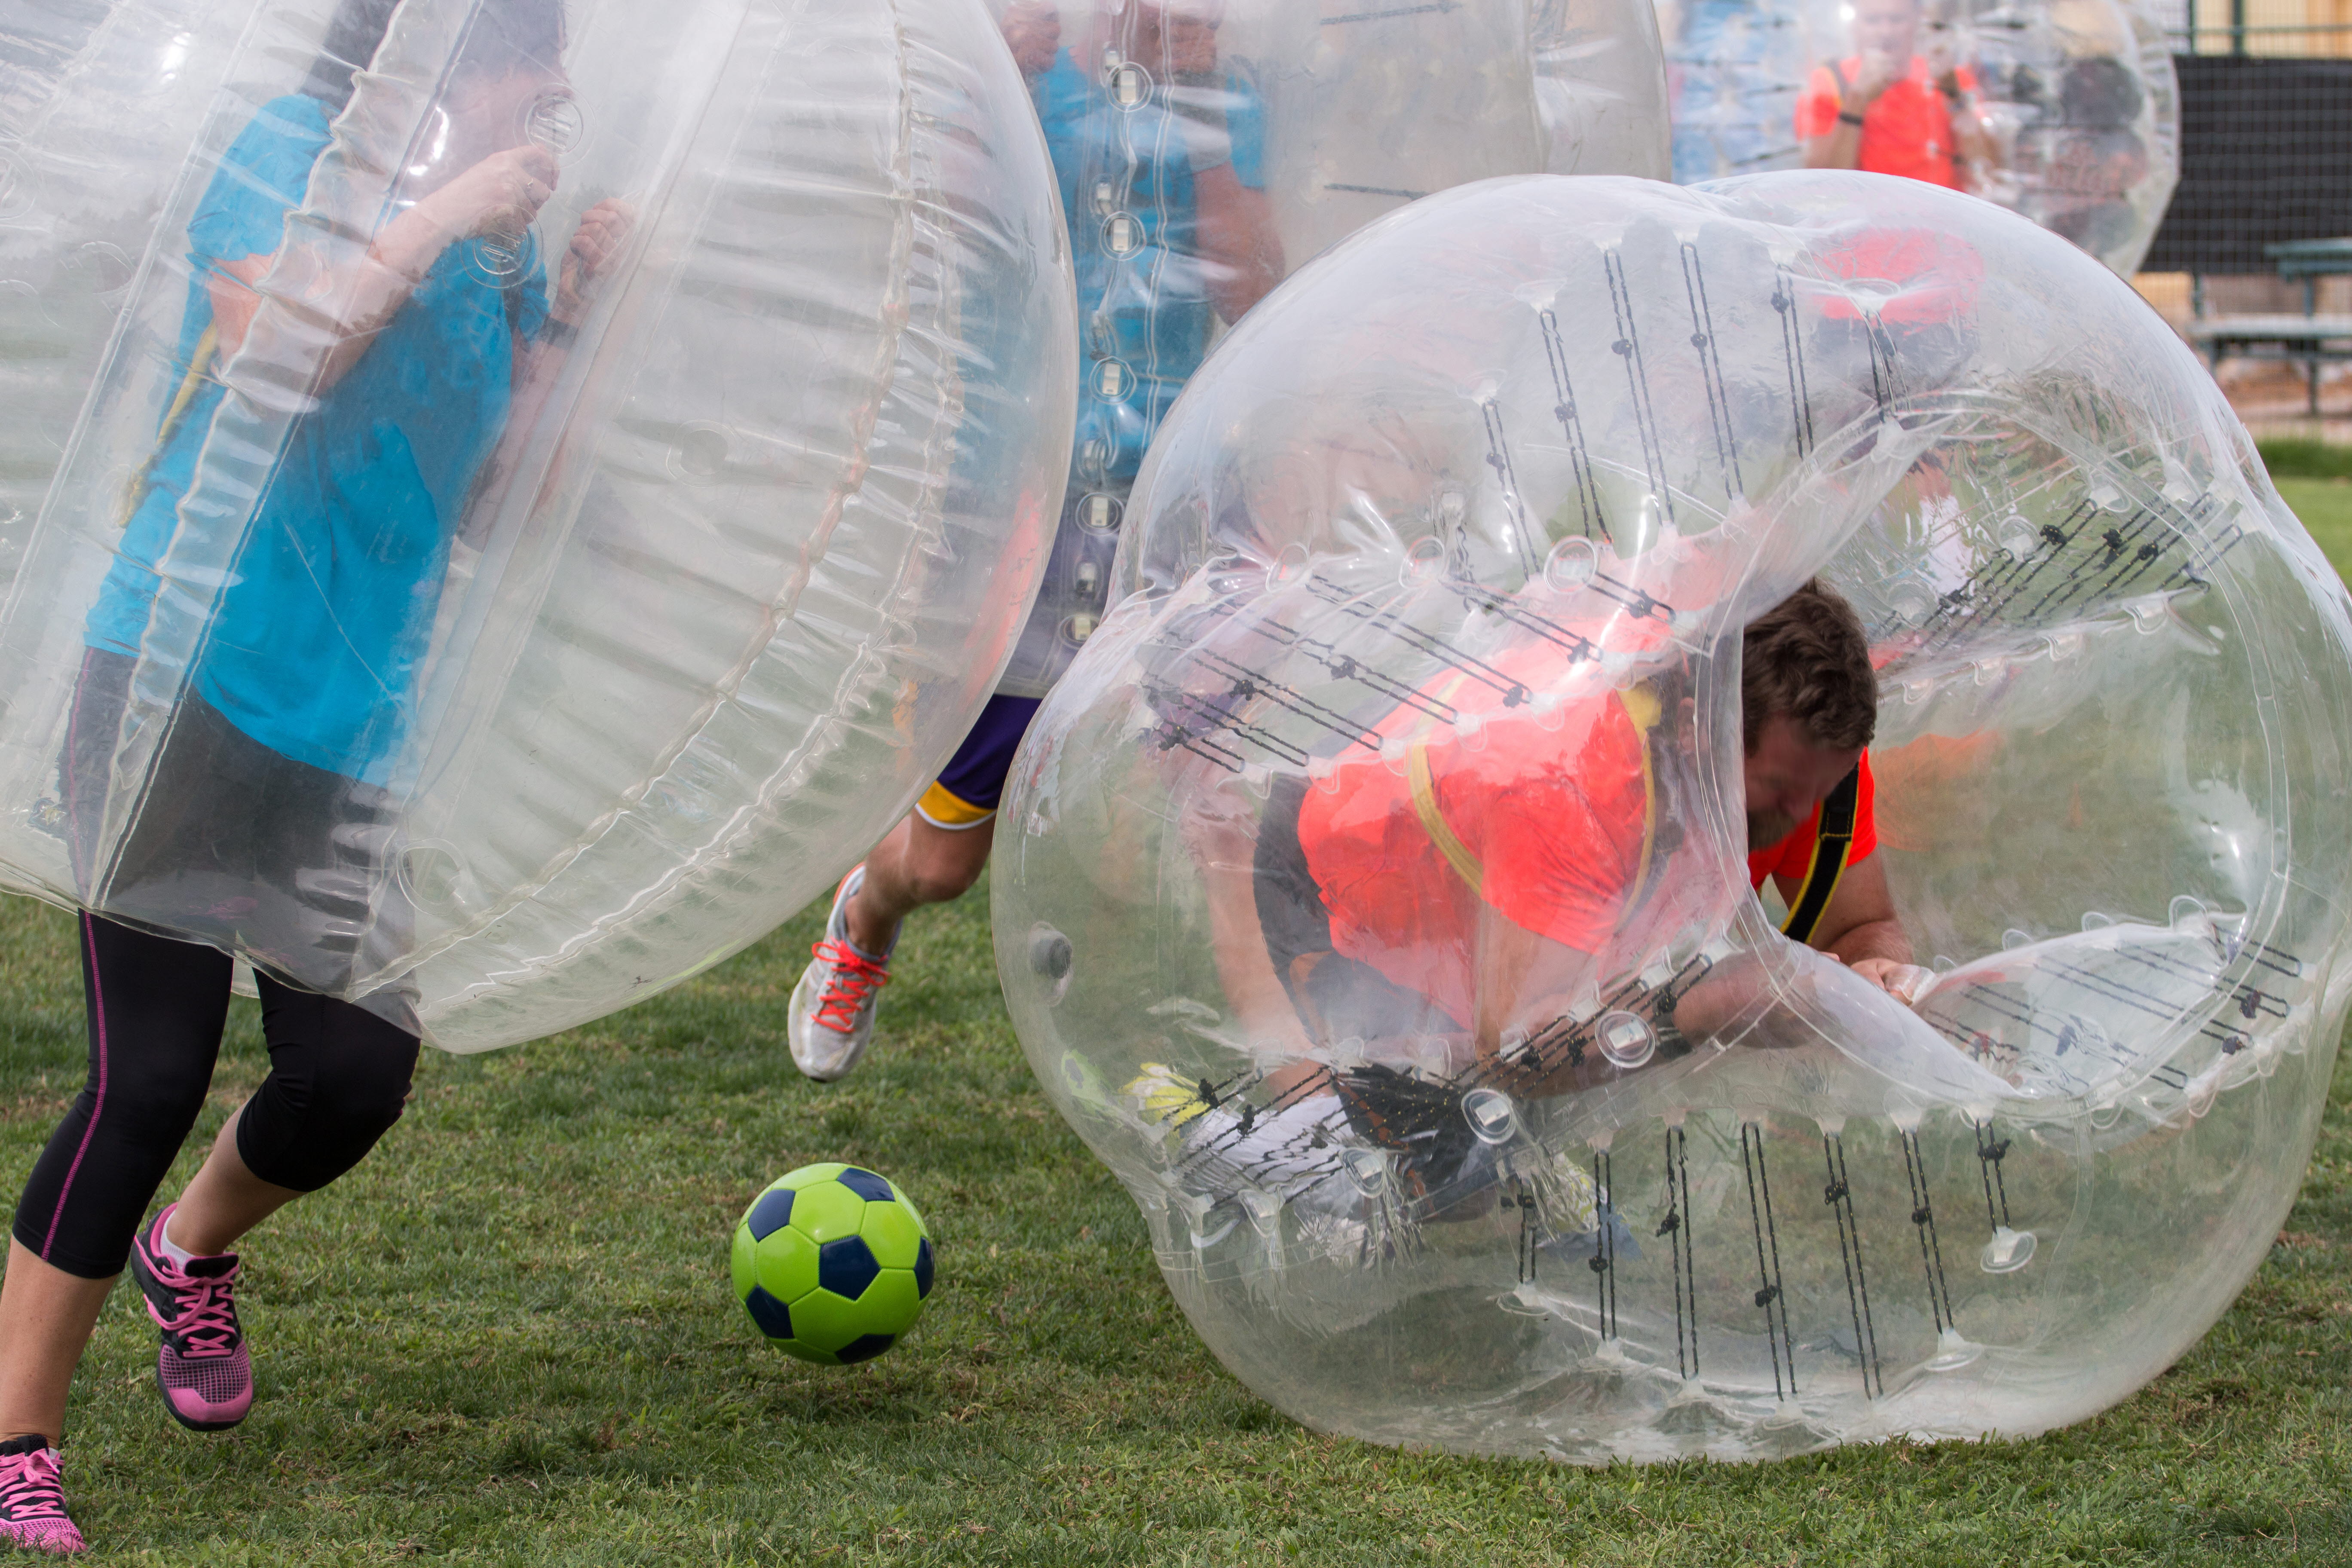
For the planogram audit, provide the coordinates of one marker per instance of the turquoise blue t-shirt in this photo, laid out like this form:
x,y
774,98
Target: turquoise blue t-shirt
x,y
329,603
1149,308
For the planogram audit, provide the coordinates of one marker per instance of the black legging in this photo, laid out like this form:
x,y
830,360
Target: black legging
x,y
338,1077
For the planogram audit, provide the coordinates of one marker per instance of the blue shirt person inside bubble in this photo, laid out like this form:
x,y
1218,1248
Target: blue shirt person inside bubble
x,y
1158,144
447,333
349,375
316,588
1158,138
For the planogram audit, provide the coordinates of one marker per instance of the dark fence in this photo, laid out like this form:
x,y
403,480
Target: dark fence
x,y
2265,156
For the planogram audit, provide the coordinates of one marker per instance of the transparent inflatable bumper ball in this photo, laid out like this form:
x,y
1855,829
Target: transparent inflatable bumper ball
x,y
2067,112
1375,894
501,499
1205,147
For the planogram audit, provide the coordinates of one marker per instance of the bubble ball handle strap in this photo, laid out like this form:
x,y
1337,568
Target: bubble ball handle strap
x,y
1832,843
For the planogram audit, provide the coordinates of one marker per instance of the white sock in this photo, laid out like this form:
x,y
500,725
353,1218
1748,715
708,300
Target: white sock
x,y
179,1256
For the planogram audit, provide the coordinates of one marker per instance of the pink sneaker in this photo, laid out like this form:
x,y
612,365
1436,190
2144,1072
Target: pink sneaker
x,y
32,1504
203,1368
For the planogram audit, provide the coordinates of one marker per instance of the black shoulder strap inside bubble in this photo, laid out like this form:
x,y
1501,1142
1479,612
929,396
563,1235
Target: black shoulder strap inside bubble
x,y
1832,845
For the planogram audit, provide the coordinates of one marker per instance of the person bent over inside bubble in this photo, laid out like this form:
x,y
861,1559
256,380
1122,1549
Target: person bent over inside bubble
x,y
1433,927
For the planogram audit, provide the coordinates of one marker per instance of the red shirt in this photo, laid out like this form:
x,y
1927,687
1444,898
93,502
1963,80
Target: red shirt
x,y
1793,856
1907,131
1548,819
1551,828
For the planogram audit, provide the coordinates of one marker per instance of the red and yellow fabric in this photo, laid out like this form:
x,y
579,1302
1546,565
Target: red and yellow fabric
x,y
1551,822
1553,827
1793,856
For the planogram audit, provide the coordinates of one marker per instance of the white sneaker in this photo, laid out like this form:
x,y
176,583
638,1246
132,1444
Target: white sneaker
x,y
832,1011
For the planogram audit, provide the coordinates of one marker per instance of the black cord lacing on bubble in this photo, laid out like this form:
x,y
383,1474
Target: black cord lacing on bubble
x,y
1990,1154
1604,1255
1839,1194
1769,1296
1923,1215
1677,1228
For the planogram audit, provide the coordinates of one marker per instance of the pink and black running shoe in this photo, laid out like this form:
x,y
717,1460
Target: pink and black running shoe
x,y
32,1504
203,1368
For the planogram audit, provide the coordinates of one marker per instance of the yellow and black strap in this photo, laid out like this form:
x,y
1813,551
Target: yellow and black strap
x,y
1642,707
1832,845
1433,821
200,364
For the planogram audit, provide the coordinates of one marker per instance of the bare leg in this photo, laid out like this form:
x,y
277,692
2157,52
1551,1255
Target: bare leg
x,y
1222,837
916,864
46,1317
224,1200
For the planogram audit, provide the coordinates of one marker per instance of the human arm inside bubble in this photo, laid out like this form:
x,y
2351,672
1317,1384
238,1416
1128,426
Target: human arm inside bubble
x,y
1552,1040
1974,145
1526,984
1240,252
604,230
1223,839
348,307
232,288
1551,1044
1861,930
1838,146
1859,927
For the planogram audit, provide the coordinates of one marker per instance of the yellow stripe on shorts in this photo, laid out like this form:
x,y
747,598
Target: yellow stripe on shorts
x,y
943,808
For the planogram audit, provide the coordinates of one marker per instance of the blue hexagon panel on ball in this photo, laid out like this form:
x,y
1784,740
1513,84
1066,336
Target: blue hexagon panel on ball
x,y
1378,894
833,1264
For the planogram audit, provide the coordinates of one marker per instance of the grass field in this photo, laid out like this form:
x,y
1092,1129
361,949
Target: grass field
x,y
2325,507
508,1338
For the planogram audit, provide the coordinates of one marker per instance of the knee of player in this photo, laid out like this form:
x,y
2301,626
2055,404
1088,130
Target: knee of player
x,y
371,1100
159,1102
945,876
364,1094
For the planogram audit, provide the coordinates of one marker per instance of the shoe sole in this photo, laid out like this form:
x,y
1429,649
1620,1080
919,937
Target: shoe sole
x,y
46,1545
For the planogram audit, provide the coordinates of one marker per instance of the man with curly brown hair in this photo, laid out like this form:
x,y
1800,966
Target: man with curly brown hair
x,y
1464,892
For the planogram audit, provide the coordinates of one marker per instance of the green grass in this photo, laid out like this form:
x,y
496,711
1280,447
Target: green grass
x,y
2305,457
508,1338
2326,508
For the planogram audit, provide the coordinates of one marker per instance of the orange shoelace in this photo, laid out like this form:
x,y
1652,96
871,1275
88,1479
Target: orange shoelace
x,y
853,980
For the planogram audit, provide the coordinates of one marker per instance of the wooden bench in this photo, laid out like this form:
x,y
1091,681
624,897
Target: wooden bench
x,y
2309,338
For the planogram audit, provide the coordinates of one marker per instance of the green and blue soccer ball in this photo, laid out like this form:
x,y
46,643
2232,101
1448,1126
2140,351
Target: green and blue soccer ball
x,y
832,1263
